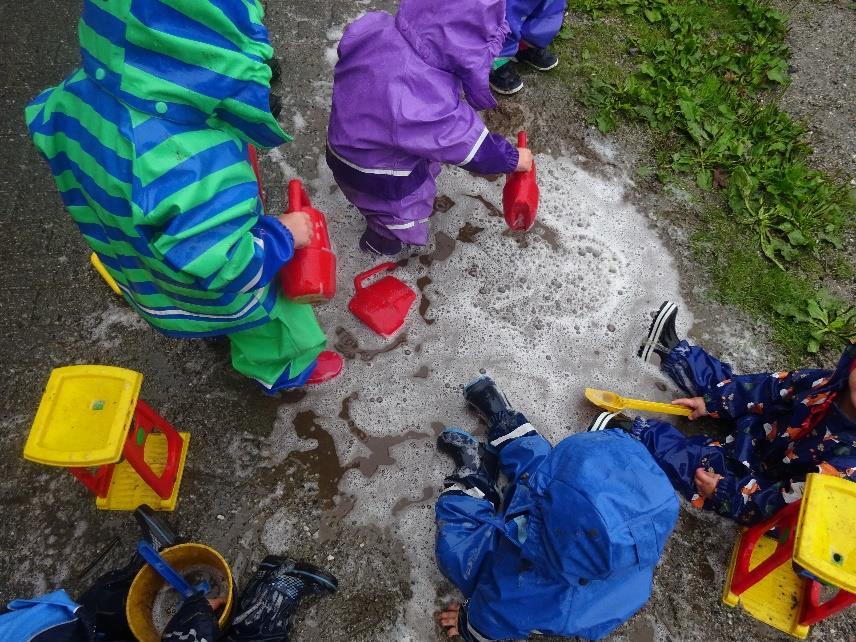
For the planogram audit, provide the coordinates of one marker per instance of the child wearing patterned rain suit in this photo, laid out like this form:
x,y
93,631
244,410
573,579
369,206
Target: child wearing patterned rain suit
x,y
784,425
398,113
148,143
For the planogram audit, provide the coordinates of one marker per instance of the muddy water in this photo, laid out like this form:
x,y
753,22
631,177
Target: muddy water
x,y
534,315
348,346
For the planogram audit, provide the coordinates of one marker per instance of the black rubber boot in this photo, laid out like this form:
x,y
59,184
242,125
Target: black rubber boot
x,y
611,420
504,80
463,448
662,335
267,606
374,243
540,59
486,399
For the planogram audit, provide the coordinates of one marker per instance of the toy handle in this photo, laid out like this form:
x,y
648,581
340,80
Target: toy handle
x,y
656,406
364,276
297,198
521,139
168,573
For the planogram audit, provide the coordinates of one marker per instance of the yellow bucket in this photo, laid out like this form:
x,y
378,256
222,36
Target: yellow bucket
x,y
145,617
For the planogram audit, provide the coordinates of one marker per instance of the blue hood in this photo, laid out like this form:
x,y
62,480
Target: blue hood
x,y
602,506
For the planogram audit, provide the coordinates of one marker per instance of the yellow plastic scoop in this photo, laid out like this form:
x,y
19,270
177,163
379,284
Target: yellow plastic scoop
x,y
613,403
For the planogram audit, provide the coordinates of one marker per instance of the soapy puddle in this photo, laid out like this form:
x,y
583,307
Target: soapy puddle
x,y
546,314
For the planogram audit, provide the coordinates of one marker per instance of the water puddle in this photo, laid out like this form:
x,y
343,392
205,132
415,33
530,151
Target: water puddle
x,y
443,204
424,303
405,502
444,247
347,345
492,209
323,460
423,373
467,234
379,447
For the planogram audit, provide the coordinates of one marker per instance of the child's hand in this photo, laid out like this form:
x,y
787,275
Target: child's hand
x,y
449,619
696,404
706,482
524,163
300,226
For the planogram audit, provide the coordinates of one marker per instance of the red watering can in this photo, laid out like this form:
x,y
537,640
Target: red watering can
x,y
520,196
382,306
310,276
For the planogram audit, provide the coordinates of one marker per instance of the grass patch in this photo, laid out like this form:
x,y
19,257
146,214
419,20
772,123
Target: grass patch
x,y
704,77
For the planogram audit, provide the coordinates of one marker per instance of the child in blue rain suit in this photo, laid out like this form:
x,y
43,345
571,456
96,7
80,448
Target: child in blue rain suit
x,y
534,24
570,549
784,425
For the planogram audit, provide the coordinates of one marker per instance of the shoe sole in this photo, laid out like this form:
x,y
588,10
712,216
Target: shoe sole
x,y
506,92
328,581
536,67
656,329
602,421
459,432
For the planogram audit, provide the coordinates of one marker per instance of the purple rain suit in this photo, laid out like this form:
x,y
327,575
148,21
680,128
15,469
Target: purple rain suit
x,y
535,22
398,112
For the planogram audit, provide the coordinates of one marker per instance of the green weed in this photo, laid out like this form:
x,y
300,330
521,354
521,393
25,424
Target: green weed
x,y
705,78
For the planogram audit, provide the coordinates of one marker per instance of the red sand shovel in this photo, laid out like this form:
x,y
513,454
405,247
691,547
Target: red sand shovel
x,y
383,306
520,196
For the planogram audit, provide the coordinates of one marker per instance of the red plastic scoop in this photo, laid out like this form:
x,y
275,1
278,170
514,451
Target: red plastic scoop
x,y
520,196
310,276
383,306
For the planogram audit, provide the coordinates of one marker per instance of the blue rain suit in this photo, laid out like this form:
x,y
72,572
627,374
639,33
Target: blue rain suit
x,y
534,21
784,425
572,548
54,617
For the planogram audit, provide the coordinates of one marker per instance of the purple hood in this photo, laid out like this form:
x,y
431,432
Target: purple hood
x,y
462,38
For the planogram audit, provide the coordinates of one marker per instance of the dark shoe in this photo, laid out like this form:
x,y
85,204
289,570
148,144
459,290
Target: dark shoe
x,y
662,336
540,59
463,448
374,243
504,80
275,103
611,420
485,398
267,605
275,69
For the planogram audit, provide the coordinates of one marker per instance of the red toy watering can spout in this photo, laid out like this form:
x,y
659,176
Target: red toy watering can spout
x,y
384,305
310,276
520,196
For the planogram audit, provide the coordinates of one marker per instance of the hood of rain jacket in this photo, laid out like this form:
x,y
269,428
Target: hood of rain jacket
x,y
187,61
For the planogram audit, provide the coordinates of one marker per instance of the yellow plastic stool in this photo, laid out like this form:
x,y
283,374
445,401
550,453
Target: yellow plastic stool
x,y
92,417
826,536
816,535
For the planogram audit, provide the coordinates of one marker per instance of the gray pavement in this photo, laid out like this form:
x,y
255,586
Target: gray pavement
x,y
345,475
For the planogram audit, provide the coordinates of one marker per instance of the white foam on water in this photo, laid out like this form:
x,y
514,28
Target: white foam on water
x,y
546,320
106,327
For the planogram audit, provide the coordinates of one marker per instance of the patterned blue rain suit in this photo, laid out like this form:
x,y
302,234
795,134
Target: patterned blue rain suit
x,y
785,425
534,21
572,548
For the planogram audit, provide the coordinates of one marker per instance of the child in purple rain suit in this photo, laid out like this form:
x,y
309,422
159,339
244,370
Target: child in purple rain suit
x,y
534,24
398,112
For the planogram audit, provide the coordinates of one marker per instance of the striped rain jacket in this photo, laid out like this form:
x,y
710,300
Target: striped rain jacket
x,y
148,143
